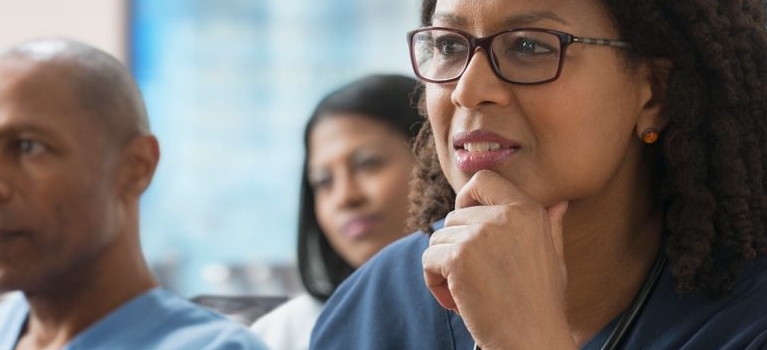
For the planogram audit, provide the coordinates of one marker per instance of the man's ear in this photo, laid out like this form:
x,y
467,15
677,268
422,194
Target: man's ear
x,y
657,72
138,163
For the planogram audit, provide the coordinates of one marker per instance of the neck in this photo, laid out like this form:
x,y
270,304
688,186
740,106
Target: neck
x,y
611,242
92,289
603,285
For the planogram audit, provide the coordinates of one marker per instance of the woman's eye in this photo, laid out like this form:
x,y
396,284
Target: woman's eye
x,y
450,45
369,163
527,46
321,183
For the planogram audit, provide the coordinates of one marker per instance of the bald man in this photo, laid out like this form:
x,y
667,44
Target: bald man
x,y
76,154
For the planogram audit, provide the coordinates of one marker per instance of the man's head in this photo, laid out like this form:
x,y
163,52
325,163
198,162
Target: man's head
x,y
75,156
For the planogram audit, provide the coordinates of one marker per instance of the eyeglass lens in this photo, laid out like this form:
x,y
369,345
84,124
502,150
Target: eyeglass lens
x,y
522,56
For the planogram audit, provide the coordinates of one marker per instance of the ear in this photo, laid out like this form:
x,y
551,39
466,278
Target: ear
x,y
656,72
138,163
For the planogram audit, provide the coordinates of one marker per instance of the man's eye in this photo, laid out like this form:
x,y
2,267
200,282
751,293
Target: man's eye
x,y
30,147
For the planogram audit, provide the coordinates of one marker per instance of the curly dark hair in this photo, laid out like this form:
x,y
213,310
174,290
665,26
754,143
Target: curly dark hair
x,y
713,153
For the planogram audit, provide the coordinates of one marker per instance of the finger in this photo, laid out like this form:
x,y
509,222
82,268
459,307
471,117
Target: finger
x,y
449,234
435,275
556,216
487,188
496,215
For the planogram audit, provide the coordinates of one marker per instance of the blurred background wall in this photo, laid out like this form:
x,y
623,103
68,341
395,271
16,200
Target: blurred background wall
x,y
101,23
229,85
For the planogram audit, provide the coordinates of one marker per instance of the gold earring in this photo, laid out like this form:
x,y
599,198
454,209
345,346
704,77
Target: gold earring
x,y
649,136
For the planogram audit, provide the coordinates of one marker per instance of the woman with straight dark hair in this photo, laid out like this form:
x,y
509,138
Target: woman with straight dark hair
x,y
354,194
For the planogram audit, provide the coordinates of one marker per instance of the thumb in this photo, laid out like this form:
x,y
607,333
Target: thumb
x,y
556,216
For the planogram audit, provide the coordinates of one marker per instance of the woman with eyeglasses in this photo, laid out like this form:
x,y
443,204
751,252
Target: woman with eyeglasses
x,y
592,175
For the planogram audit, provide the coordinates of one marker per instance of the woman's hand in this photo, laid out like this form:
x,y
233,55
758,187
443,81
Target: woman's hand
x,y
499,263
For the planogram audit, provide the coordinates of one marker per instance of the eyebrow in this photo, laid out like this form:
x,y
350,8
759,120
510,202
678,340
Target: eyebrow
x,y
511,22
14,129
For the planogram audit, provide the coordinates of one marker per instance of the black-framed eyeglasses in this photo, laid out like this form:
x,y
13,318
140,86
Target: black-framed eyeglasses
x,y
520,56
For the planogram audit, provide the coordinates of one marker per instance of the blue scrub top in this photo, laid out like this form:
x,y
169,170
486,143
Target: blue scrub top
x,y
156,319
386,305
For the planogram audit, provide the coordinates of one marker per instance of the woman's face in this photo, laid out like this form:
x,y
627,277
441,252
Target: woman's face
x,y
359,169
569,139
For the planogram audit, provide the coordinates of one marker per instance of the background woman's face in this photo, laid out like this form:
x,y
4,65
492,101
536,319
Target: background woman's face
x,y
564,140
359,169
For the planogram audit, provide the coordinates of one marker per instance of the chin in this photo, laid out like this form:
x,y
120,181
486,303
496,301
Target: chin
x,y
457,179
364,257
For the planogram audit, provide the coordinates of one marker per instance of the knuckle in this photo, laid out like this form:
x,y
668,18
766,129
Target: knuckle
x,y
527,208
450,218
522,216
434,237
484,230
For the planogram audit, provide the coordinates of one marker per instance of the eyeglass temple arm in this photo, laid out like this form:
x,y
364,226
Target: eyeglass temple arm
x,y
604,42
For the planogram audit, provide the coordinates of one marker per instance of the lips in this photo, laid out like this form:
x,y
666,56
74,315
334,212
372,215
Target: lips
x,y
481,149
359,226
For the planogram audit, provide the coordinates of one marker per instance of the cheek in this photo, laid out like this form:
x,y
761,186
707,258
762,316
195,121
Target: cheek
x,y
62,236
391,190
74,228
83,221
440,110
323,213
580,151
60,213
590,131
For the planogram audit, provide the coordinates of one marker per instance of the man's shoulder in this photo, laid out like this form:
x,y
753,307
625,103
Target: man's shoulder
x,y
162,320
13,312
211,329
12,301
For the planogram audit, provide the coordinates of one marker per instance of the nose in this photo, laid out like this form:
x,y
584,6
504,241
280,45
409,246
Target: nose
x,y
348,193
479,85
